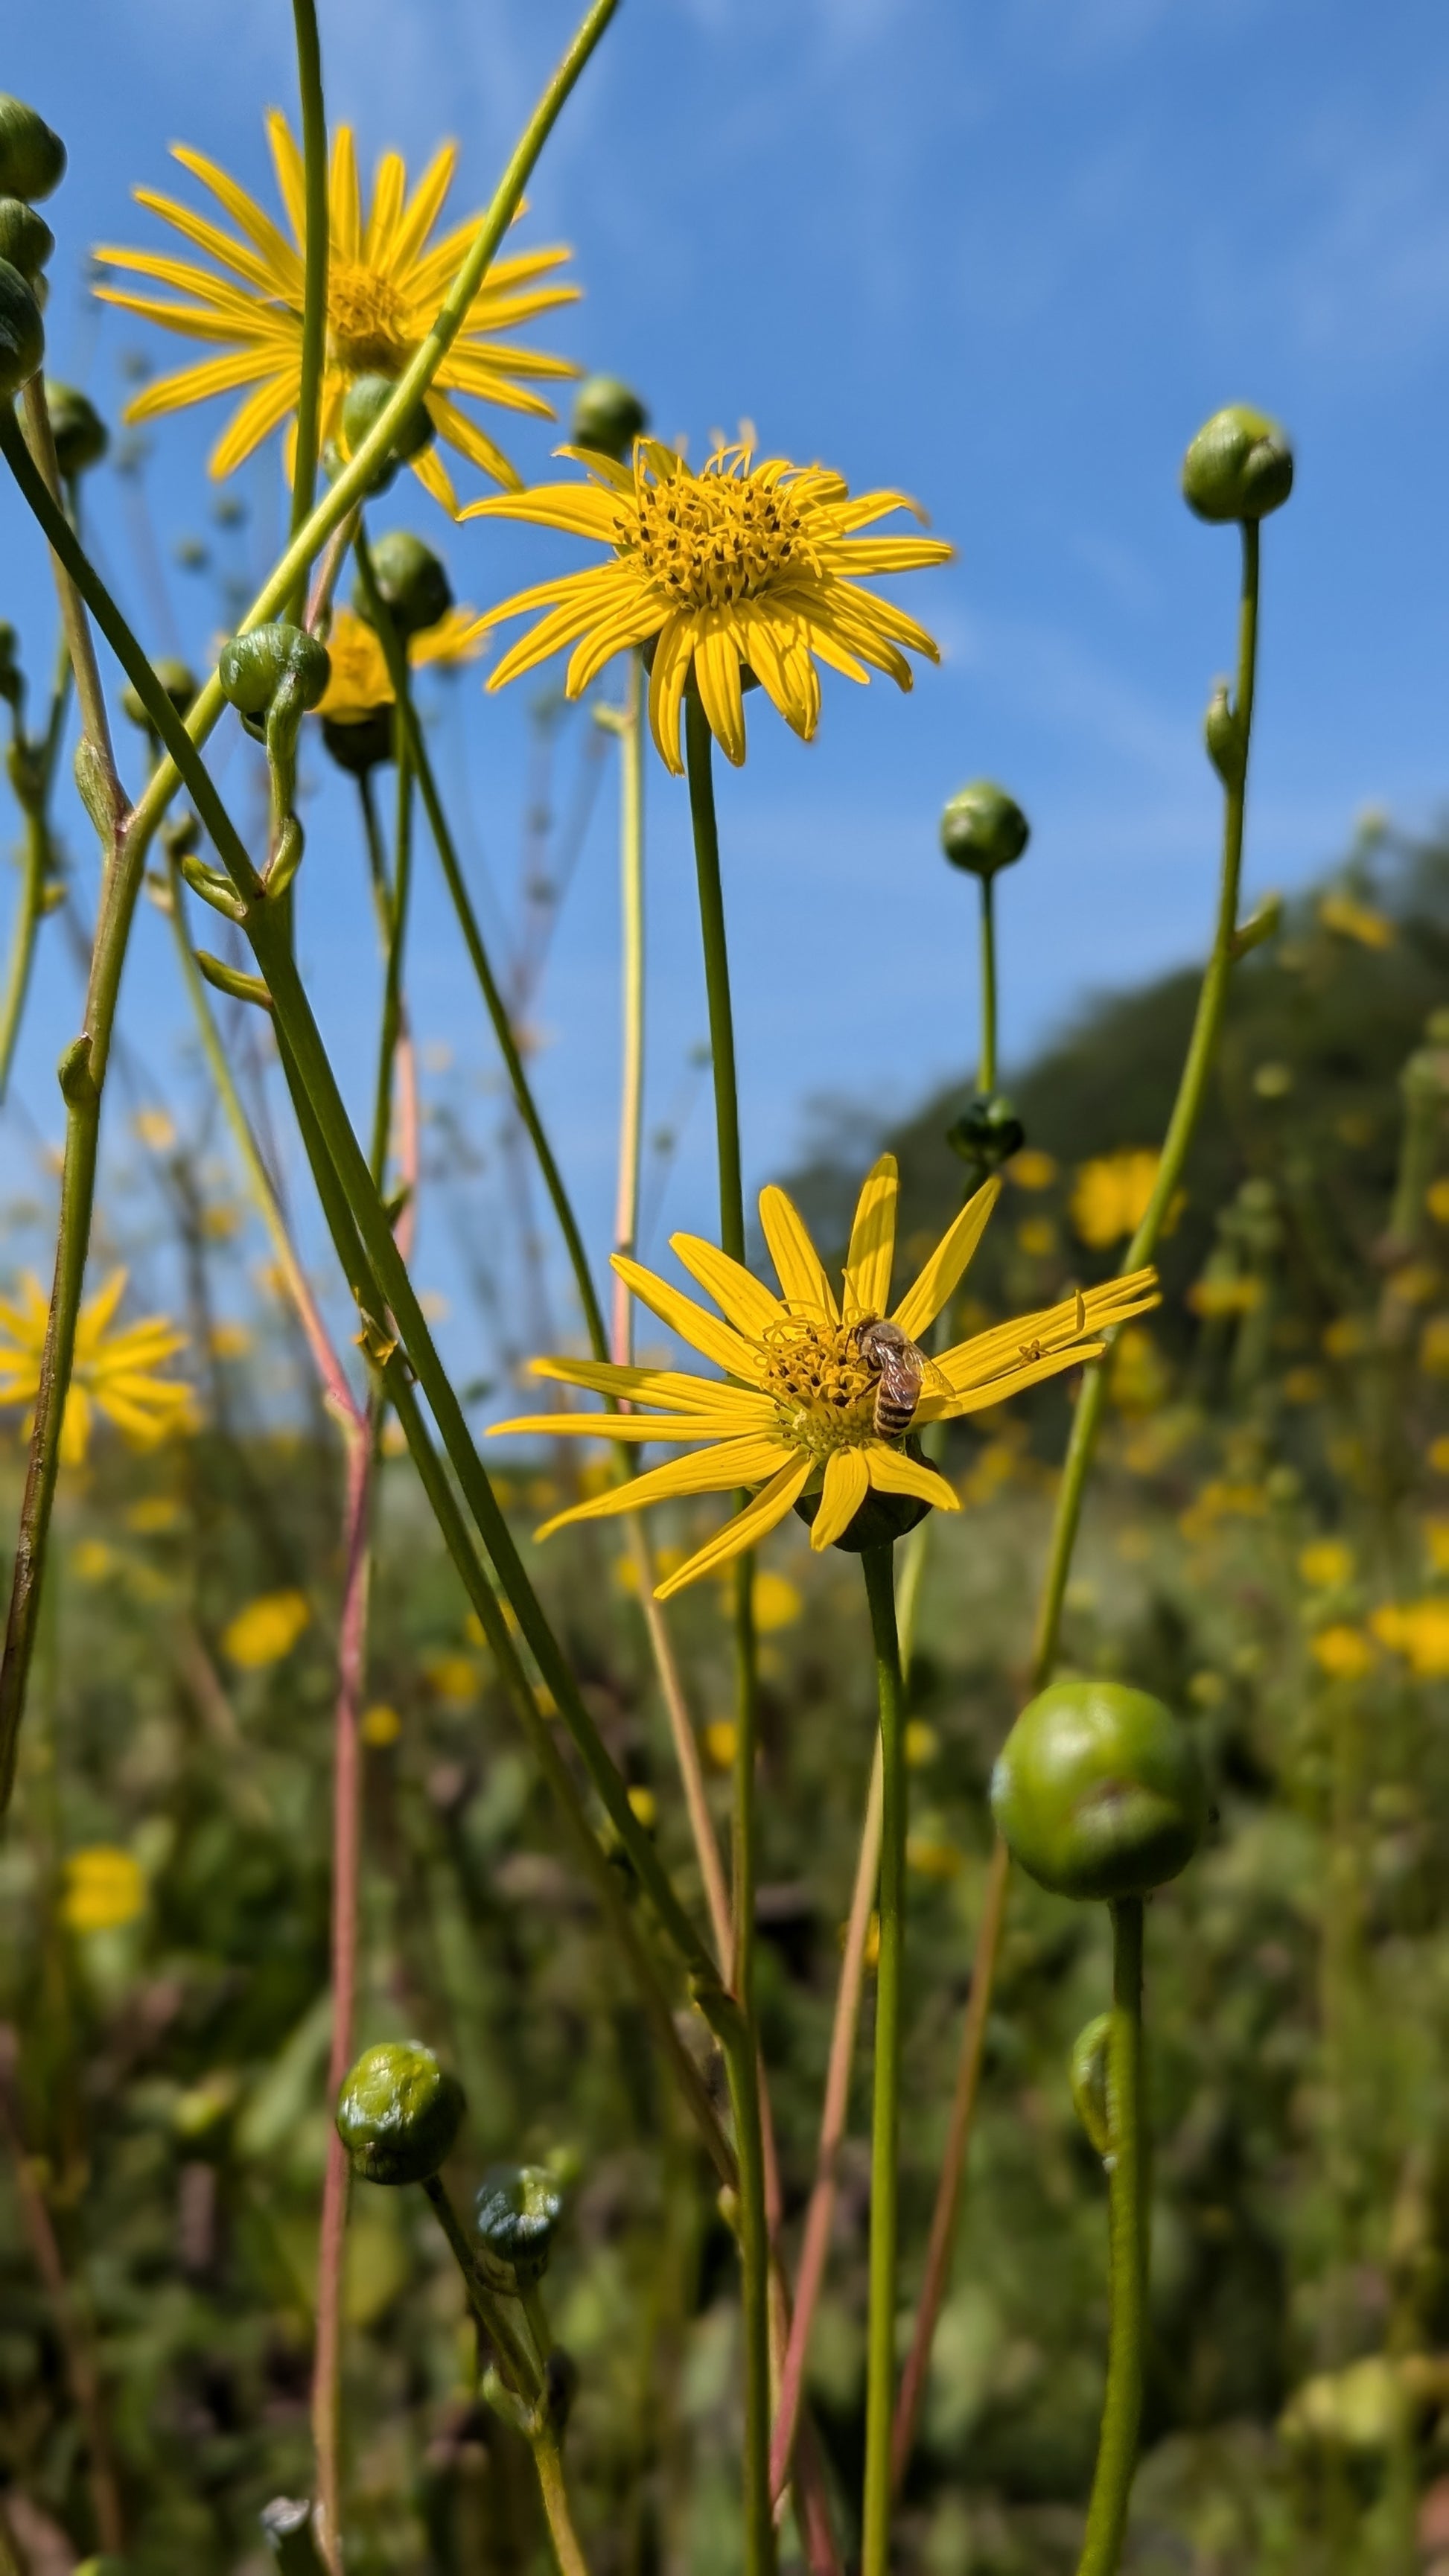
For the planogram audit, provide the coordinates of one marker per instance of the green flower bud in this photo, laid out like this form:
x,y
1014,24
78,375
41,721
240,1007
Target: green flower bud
x,y
1098,1790
516,2212
287,2529
179,683
22,333
983,829
81,436
398,2113
411,580
359,747
366,400
254,666
607,417
12,678
26,239
32,158
881,1518
987,1133
1239,466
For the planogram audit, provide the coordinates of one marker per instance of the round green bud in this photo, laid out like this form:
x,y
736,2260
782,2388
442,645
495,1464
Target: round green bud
x,y
253,666
22,333
607,417
1239,466
881,1519
398,2113
1098,1790
32,157
987,1133
366,400
411,580
26,239
81,436
983,829
516,2212
360,746
179,683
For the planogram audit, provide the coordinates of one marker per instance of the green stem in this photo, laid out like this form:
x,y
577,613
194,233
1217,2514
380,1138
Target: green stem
x,y
699,750
314,292
1122,2408
507,2339
1186,1110
392,1001
411,734
986,1069
630,728
34,872
548,2463
885,2123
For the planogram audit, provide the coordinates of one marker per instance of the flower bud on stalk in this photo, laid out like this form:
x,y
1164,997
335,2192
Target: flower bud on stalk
x,y
987,1133
983,829
81,436
179,683
398,2113
22,332
607,417
1239,466
366,400
1098,1791
32,155
272,675
26,239
411,583
515,2215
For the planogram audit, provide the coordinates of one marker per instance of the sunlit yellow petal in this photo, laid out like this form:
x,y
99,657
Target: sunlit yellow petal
x,y
640,1427
739,1295
937,1283
249,426
673,655
472,442
714,1471
703,1331
673,1388
746,1529
798,1265
345,202
892,1472
717,677
434,477
425,205
872,1243
279,257
291,177
847,1482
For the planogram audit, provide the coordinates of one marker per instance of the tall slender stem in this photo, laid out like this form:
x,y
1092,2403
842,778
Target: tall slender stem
x,y
986,1065
1127,2221
885,2119
34,871
392,997
699,747
316,245
630,730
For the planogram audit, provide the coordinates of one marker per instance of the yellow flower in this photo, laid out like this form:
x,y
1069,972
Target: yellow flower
x,y
795,1409
1037,1237
1325,1564
1139,1381
452,1678
103,1889
719,1742
1419,1631
114,1372
739,569
1031,1169
1434,1347
230,1341
1111,1195
1436,1544
380,1725
1439,1455
266,1630
359,684
1436,1200
1344,1653
1303,1386
384,291
922,1743
1355,921
1227,1294
155,1129
777,1602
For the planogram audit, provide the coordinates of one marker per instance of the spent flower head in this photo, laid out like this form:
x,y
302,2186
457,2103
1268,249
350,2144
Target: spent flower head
x,y
385,286
797,1412
740,572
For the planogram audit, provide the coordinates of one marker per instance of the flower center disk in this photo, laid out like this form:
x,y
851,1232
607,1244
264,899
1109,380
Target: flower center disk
x,y
712,542
368,321
824,1388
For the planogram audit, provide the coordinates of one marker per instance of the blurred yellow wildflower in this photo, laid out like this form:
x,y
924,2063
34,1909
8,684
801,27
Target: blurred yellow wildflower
x,y
1434,1347
230,1341
1110,1197
1347,1337
1221,1498
384,291
796,1409
921,1743
1037,1237
1352,920
720,1740
1325,1564
1226,1294
1031,1169
114,1372
453,1679
380,1725
1436,1544
645,1806
1140,1381
1419,1631
738,568
103,1890
153,1515
777,1601
155,1129
222,1220
1436,1200
930,1851
93,1562
1303,1386
1344,1653
359,685
1439,1455
266,1630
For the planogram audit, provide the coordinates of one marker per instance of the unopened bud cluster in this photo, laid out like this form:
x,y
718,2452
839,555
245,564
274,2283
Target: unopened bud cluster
x,y
32,162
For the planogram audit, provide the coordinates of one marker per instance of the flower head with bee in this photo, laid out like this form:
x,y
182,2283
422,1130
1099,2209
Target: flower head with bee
x,y
739,572
809,1403
386,280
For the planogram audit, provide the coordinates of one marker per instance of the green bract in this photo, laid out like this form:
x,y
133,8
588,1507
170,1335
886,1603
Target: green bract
x,y
1239,466
398,2113
1098,1790
81,436
253,667
359,745
26,239
32,157
607,417
411,580
983,829
517,2209
881,1519
22,332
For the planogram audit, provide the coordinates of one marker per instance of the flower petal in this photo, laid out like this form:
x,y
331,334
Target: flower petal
x,y
717,677
674,1389
713,1471
892,1472
744,1531
736,1291
704,1332
797,1263
250,424
847,1482
937,1283
637,1427
872,1243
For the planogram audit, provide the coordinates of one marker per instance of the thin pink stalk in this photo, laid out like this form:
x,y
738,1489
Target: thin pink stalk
x,y
820,2216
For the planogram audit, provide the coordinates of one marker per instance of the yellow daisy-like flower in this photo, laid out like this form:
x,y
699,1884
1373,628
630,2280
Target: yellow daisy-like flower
x,y
104,1889
114,1372
1111,1197
266,1630
795,1408
739,571
384,290
359,684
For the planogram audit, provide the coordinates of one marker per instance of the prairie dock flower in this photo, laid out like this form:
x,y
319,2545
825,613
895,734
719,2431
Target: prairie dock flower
x,y
796,1410
741,571
359,682
114,1371
385,286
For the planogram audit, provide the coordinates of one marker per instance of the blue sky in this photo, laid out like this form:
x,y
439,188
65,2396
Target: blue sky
x,y
1005,257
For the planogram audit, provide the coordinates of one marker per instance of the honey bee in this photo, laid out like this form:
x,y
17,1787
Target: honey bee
x,y
899,1370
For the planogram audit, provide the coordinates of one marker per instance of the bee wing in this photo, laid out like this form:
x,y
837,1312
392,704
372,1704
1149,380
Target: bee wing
x,y
934,1381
